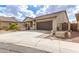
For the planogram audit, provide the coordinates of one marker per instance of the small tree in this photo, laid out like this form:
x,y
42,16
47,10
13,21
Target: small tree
x,y
13,26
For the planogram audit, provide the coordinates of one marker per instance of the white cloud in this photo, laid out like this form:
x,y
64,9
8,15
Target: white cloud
x,y
7,15
76,10
1,14
73,20
28,13
42,10
22,11
23,7
72,12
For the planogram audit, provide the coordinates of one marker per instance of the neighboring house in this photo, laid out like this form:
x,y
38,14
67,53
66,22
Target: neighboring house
x,y
21,25
6,21
73,25
77,17
57,21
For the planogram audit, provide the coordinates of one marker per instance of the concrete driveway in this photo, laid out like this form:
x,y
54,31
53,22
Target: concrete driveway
x,y
25,41
34,42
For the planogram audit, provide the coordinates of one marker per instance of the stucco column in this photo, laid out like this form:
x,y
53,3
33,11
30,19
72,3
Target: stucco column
x,y
78,26
34,24
68,26
54,26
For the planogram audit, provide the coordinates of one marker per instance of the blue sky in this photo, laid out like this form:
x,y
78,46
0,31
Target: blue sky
x,y
23,11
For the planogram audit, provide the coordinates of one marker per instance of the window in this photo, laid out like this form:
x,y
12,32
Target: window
x,y
59,26
64,26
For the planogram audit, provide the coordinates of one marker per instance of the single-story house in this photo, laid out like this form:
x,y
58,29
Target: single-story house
x,y
77,18
73,25
21,25
57,21
6,21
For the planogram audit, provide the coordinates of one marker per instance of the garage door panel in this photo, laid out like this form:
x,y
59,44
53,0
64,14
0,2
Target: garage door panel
x,y
44,25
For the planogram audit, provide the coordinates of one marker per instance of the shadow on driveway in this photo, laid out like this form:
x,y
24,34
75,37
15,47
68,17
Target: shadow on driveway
x,y
18,49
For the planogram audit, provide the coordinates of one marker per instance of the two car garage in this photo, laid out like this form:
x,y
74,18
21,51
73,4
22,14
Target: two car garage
x,y
46,25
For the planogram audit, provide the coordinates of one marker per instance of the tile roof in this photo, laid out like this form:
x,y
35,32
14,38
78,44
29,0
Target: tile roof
x,y
51,13
28,19
46,15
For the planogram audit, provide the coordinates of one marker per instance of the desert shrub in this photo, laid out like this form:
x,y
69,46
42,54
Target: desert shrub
x,y
13,26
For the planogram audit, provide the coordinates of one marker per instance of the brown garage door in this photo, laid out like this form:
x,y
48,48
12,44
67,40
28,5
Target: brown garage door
x,y
44,25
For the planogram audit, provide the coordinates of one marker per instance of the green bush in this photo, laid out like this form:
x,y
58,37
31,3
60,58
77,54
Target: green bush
x,y
13,26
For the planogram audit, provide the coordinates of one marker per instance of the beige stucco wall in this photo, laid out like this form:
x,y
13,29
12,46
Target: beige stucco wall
x,y
44,20
4,24
77,18
60,18
54,24
78,26
21,26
